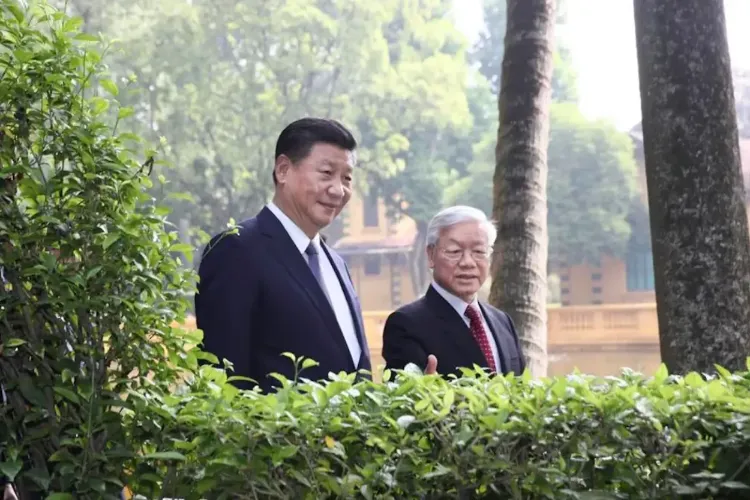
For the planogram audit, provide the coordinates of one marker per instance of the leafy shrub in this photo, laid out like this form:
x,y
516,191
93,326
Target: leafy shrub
x,y
475,437
89,289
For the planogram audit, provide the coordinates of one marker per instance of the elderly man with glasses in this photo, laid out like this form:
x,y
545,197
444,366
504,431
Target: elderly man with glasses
x,y
449,328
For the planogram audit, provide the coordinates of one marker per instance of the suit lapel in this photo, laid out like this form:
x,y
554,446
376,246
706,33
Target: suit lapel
x,y
455,329
356,311
290,257
501,340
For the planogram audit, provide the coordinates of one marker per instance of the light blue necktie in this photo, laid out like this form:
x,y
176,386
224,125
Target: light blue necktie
x,y
313,261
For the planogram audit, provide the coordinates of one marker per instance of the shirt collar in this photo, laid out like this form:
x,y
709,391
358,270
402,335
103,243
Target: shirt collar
x,y
298,236
457,303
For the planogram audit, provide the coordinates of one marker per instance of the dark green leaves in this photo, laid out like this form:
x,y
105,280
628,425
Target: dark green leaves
x,y
91,292
580,437
10,469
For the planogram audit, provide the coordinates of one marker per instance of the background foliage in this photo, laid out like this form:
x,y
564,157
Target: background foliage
x,y
592,192
220,80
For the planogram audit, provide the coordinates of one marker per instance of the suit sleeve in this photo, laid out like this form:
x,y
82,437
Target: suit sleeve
x,y
227,292
400,346
521,357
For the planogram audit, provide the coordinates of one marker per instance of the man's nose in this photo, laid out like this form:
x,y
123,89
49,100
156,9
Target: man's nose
x,y
336,189
466,259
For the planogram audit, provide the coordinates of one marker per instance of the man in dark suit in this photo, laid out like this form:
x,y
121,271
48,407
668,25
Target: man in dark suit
x,y
448,327
275,286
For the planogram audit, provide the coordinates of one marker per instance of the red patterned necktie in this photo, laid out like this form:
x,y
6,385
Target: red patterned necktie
x,y
480,335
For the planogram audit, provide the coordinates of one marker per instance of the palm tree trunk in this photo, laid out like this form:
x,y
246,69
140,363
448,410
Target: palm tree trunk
x,y
420,274
519,285
699,231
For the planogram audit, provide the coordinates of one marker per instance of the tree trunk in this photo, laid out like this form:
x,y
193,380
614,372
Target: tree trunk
x,y
698,221
418,269
519,285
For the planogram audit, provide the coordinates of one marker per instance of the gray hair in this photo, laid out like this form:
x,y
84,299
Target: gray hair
x,y
456,215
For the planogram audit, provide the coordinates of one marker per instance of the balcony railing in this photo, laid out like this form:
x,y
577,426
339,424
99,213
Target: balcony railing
x,y
600,339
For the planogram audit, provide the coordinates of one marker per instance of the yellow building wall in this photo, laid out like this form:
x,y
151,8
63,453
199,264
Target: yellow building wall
x,y
355,223
355,229
374,291
578,286
604,284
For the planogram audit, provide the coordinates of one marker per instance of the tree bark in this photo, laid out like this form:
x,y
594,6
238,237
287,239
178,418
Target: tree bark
x,y
519,285
698,221
418,269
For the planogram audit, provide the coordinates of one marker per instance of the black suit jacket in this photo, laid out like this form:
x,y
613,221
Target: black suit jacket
x,y
257,298
430,325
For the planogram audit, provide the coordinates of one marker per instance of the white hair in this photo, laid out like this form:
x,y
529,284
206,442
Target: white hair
x,y
456,215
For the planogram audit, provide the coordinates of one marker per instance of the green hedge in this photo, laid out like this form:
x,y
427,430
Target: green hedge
x,y
475,437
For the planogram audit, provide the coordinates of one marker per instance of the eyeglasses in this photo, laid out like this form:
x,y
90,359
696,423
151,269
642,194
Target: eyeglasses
x,y
456,254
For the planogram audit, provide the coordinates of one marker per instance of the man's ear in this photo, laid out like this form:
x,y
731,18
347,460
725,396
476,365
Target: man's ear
x,y
430,250
281,168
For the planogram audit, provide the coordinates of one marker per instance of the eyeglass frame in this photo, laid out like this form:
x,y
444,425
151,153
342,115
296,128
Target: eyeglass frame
x,y
458,257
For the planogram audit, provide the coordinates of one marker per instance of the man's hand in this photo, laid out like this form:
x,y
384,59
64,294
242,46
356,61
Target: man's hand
x,y
431,368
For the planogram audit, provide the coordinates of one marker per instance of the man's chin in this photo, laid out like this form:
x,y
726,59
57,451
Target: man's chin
x,y
323,222
466,291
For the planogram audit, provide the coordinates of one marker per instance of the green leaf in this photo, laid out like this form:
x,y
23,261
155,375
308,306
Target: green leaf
x,y
185,249
98,105
129,136
181,247
661,373
17,13
110,86
14,342
125,112
735,485
165,455
96,484
694,379
440,470
67,394
30,391
72,24
86,37
309,363
60,496
162,211
23,55
206,484
10,469
40,476
448,399
181,197
110,240
723,372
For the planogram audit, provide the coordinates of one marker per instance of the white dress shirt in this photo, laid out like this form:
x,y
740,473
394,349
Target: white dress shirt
x,y
460,306
331,280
